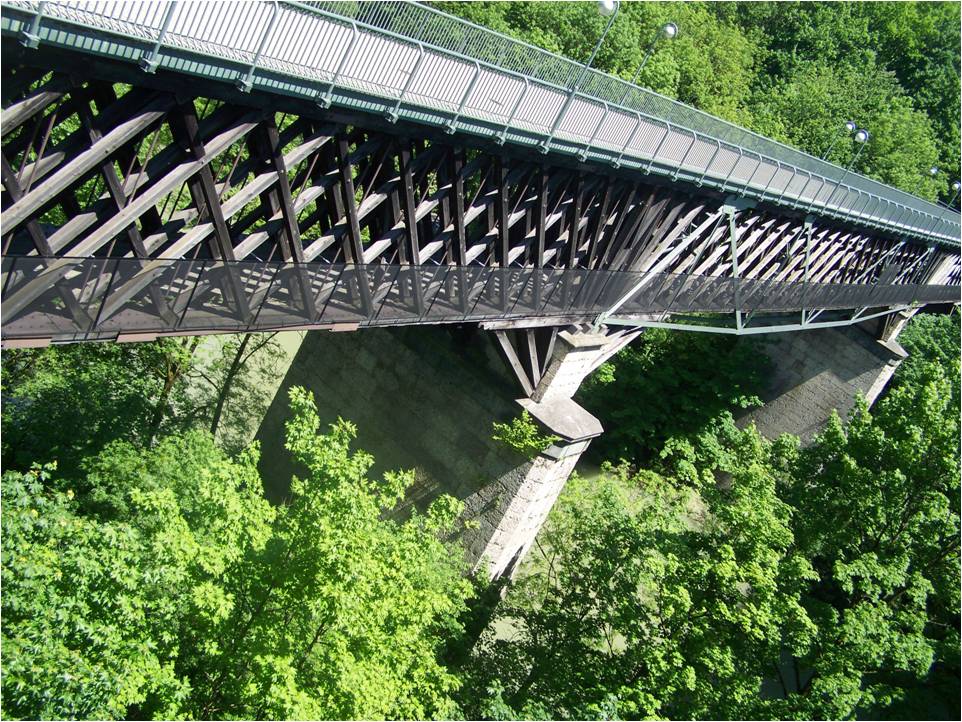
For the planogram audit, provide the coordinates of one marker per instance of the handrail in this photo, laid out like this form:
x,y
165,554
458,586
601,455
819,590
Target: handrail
x,y
892,208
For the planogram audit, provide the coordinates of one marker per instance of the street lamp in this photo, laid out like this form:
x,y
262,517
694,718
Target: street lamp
x,y
668,31
861,137
955,186
606,8
850,128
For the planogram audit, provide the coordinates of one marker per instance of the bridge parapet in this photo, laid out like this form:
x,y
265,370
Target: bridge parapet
x,y
398,59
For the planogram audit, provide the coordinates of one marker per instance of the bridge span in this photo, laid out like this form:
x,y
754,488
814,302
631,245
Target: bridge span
x,y
223,167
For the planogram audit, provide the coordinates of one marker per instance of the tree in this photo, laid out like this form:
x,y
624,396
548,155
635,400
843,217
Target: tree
x,y
794,71
669,384
231,389
663,594
104,590
929,338
68,402
162,584
878,516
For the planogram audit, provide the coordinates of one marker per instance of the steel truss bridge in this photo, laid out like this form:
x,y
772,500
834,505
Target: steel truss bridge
x,y
180,168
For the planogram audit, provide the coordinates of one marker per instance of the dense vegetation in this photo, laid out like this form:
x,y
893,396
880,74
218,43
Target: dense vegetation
x,y
792,71
738,578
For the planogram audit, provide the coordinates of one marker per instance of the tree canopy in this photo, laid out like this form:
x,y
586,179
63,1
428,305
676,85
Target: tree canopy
x,y
793,71
159,583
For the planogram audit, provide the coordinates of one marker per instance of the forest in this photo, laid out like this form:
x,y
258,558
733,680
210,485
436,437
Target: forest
x,y
705,573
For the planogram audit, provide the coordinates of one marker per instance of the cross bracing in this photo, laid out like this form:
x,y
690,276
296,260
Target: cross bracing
x,y
157,206
403,59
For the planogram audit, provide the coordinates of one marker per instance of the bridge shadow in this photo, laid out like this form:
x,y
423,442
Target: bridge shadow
x,y
423,398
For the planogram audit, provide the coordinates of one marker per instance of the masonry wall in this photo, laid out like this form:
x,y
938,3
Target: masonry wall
x,y
817,371
423,398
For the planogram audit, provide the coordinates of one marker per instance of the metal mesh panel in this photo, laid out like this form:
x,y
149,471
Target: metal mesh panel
x,y
58,298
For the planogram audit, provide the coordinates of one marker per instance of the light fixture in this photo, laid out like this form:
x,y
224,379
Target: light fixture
x,y
850,127
607,7
862,135
933,171
668,31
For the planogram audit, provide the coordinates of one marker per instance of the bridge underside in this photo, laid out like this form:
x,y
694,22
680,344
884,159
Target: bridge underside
x,y
131,209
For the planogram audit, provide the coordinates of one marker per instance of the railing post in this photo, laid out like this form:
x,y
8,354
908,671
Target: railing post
x,y
787,185
31,38
778,168
503,136
247,82
583,153
711,160
724,187
327,98
694,139
657,150
452,125
631,137
392,115
149,63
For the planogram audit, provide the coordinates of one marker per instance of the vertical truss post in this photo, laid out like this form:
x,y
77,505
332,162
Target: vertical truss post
x,y
150,62
247,82
808,256
729,210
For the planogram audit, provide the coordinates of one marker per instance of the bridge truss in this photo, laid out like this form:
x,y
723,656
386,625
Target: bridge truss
x,y
159,206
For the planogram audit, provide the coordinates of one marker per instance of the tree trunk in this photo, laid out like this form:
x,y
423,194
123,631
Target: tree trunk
x,y
232,372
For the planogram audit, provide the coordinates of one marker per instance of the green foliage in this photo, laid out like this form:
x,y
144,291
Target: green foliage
x,y
523,435
67,402
669,384
928,338
878,516
648,598
106,594
794,71
166,586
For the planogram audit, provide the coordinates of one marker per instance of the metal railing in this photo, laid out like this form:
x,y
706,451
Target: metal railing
x,y
88,298
405,58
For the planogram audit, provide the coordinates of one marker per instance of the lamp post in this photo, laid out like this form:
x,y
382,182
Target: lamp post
x,y
861,137
668,31
955,186
606,8
850,128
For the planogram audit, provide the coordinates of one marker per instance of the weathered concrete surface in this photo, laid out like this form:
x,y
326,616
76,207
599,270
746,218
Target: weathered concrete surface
x,y
817,371
426,398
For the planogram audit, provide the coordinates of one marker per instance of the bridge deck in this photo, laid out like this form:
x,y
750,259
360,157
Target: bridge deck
x,y
311,51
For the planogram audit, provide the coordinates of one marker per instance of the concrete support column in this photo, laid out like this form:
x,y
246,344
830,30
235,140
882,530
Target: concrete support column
x,y
576,354
426,399
818,371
